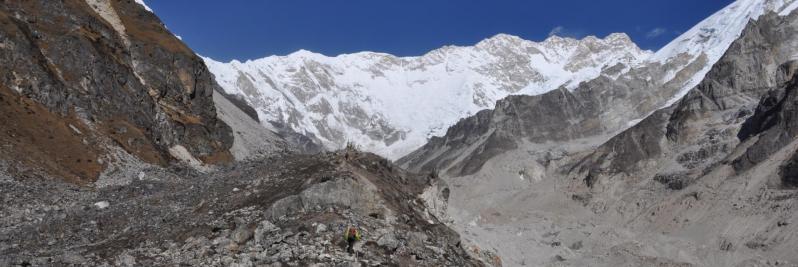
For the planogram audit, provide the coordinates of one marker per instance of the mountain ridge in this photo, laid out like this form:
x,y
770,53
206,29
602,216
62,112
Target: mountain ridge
x,y
366,92
616,101
382,104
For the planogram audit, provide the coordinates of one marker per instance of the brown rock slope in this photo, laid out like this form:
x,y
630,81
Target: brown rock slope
x,y
34,136
111,69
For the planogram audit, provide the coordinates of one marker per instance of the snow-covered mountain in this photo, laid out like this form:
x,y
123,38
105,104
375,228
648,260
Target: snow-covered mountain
x,y
392,105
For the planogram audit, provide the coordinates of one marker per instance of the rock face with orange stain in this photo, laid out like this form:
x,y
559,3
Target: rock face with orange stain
x,y
111,70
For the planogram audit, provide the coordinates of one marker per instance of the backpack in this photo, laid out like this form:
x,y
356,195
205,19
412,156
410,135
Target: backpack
x,y
352,232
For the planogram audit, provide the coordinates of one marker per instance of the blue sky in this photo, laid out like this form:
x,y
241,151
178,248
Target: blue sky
x,y
249,29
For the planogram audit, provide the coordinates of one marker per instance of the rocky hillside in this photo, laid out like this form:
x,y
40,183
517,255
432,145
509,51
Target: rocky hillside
x,y
285,210
391,105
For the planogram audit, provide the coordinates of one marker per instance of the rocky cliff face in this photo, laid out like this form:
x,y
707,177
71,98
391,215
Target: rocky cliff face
x,y
108,74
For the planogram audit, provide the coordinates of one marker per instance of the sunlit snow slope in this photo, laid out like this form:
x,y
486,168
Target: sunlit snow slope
x,y
391,105
713,35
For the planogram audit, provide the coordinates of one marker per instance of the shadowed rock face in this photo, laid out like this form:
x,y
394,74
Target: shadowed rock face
x,y
789,172
115,66
773,123
539,118
241,104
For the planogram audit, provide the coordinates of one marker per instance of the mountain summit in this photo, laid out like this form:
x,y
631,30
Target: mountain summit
x,y
391,105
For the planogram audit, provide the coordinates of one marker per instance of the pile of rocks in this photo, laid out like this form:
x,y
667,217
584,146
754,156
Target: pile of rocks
x,y
284,210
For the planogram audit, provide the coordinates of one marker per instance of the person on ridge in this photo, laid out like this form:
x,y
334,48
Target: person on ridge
x,y
351,235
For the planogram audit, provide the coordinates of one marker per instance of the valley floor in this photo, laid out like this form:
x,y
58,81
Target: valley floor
x,y
534,217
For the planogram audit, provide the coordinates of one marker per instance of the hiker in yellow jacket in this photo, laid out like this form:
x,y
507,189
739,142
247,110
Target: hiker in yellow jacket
x,y
351,235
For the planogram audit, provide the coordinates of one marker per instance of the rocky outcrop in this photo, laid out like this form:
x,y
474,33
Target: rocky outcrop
x,y
773,123
789,172
112,66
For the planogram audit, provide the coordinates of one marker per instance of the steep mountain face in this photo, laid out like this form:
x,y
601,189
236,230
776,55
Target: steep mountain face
x,y
392,105
720,114
595,110
714,34
84,78
709,180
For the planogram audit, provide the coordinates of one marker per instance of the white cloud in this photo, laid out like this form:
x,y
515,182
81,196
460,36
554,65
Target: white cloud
x,y
656,32
564,32
556,31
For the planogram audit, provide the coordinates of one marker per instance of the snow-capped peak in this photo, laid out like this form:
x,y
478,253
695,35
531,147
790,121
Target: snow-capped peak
x,y
305,54
712,36
391,105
